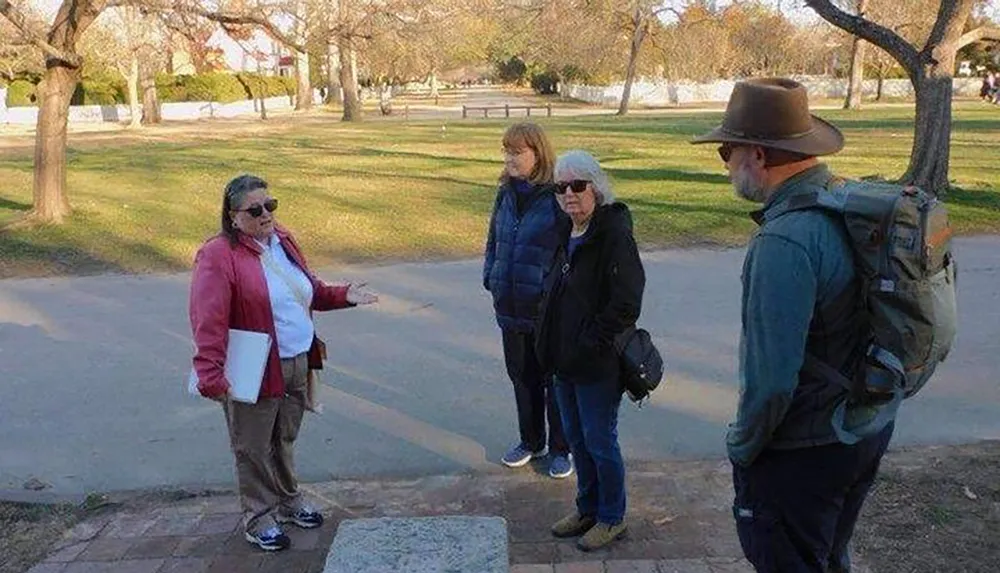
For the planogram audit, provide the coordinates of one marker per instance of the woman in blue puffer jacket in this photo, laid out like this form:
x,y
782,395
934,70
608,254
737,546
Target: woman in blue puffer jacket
x,y
525,231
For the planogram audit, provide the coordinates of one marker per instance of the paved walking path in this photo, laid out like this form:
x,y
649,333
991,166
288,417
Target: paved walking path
x,y
94,368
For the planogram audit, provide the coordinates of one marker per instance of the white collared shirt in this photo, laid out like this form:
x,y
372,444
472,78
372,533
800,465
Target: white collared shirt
x,y
293,326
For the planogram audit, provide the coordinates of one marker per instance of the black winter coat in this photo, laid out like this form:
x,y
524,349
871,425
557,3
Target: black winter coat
x,y
591,299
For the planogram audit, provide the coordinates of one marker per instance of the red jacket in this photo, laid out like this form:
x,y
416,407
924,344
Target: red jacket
x,y
228,290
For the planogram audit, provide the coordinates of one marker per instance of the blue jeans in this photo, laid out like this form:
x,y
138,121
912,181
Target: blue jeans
x,y
590,423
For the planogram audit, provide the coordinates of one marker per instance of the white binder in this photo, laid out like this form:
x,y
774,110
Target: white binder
x,y
246,358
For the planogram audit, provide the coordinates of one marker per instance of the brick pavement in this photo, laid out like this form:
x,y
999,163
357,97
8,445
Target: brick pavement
x,y
679,522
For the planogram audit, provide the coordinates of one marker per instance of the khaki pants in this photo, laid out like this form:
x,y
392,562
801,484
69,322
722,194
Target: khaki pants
x,y
262,437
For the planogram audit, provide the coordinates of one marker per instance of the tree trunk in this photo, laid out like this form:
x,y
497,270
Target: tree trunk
x,y
150,99
354,66
881,83
333,93
303,87
55,92
135,110
855,85
931,142
260,94
433,80
352,105
638,36
262,98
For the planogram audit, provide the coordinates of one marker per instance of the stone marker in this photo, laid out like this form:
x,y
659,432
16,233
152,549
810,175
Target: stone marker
x,y
420,545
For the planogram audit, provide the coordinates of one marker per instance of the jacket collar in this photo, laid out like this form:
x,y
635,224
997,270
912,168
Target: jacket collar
x,y
248,241
803,182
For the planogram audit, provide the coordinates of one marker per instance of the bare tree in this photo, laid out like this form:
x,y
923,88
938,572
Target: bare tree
x,y
303,84
62,73
641,15
931,69
129,42
855,85
348,78
19,58
59,43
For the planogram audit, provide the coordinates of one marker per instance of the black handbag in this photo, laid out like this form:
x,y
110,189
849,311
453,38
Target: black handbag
x,y
640,364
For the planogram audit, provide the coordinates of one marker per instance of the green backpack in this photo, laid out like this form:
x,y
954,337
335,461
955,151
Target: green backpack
x,y
902,254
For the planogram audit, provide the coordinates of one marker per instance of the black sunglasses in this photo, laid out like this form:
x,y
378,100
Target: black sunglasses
x,y
726,151
258,210
577,185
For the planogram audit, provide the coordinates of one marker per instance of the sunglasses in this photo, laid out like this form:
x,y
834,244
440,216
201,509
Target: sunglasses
x,y
726,151
577,185
258,210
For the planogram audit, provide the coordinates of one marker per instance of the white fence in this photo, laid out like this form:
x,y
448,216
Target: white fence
x,y
169,111
664,93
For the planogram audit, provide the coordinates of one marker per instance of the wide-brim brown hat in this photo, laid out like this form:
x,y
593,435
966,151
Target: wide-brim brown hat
x,y
774,112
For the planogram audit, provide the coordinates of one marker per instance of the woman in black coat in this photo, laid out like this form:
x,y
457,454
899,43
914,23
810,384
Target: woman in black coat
x,y
594,295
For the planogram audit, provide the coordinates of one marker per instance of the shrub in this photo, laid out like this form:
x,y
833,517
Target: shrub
x,y
218,87
545,82
168,89
272,86
21,93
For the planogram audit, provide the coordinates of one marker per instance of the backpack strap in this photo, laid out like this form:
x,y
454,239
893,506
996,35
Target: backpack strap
x,y
886,413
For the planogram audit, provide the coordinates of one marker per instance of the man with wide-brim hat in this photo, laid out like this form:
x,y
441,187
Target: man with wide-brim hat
x,y
798,488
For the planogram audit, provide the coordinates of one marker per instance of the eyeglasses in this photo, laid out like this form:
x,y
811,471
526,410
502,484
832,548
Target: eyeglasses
x,y
258,210
577,185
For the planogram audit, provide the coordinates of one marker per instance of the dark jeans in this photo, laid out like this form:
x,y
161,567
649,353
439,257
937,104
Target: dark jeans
x,y
590,418
533,394
795,510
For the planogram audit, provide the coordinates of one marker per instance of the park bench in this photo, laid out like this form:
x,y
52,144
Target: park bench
x,y
486,109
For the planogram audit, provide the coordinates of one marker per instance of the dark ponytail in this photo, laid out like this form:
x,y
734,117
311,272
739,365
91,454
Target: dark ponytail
x,y
232,196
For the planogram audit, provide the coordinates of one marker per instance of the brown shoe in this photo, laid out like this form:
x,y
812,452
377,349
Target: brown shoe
x,y
573,525
601,535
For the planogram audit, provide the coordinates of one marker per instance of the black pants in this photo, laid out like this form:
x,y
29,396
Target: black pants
x,y
795,510
533,393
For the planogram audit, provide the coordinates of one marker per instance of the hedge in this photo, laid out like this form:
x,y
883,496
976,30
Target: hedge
x,y
273,86
21,93
218,87
108,89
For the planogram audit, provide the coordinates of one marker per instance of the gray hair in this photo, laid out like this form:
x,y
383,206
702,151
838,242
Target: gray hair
x,y
232,196
578,164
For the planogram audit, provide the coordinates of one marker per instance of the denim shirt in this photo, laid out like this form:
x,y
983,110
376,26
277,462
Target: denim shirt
x,y
796,263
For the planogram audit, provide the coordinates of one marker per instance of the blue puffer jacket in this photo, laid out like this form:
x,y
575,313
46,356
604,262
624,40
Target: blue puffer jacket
x,y
519,253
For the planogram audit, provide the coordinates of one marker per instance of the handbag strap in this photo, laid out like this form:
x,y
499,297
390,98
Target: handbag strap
x,y
268,259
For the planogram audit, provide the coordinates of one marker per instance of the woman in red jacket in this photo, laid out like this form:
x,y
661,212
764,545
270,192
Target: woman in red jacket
x,y
252,276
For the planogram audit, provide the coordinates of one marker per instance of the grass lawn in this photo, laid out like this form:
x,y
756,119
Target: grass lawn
x,y
393,190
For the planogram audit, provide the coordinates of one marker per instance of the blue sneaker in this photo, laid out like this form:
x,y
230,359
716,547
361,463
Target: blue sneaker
x,y
561,466
306,518
519,454
273,539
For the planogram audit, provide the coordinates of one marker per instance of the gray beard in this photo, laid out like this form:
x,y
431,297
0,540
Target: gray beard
x,y
746,186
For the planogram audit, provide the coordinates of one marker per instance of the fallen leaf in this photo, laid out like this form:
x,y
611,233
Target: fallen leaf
x,y
35,484
664,519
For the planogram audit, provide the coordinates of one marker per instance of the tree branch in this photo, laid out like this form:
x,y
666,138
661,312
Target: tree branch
x,y
979,34
220,17
250,19
879,35
21,23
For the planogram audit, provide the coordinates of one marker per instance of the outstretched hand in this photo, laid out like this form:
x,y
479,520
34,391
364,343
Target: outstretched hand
x,y
356,294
